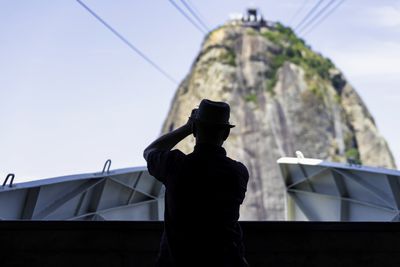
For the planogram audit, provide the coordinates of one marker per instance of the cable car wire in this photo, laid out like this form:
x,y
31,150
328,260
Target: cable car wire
x,y
187,16
309,14
323,18
299,11
316,15
199,20
193,6
128,43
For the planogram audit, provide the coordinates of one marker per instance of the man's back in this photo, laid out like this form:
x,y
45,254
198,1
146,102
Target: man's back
x,y
214,184
204,191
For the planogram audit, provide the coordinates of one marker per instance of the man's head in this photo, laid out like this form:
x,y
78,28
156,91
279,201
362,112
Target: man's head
x,y
211,122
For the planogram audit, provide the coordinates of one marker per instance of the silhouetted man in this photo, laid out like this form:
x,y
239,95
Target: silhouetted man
x,y
204,191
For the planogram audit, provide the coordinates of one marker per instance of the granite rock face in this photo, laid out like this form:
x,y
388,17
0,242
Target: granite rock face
x,y
284,97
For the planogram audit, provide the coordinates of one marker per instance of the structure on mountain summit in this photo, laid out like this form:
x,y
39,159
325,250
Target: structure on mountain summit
x,y
252,18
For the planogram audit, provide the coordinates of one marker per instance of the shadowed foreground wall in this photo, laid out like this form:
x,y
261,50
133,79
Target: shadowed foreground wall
x,y
111,243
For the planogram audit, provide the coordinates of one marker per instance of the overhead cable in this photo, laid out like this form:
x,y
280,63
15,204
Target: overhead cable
x,y
316,16
194,14
128,43
323,18
309,14
187,16
194,8
299,11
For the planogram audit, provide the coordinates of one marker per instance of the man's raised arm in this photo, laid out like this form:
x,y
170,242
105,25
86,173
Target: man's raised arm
x,y
169,140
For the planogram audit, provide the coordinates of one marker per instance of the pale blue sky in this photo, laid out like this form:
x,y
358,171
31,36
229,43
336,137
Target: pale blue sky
x,y
73,95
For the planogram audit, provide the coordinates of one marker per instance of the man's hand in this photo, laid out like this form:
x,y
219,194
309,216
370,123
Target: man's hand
x,y
191,119
169,140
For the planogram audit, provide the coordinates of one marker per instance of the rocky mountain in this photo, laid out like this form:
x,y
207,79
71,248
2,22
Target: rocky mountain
x,y
284,97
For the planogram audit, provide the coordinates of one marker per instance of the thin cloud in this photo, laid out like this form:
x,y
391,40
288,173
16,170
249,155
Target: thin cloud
x,y
376,58
386,16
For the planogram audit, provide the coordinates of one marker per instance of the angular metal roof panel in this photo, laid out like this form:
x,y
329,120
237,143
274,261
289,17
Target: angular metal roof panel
x,y
328,191
124,194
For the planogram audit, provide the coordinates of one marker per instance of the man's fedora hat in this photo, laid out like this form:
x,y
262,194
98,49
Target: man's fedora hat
x,y
213,113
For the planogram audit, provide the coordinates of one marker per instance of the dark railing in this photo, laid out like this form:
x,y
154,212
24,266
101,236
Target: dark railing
x,y
12,175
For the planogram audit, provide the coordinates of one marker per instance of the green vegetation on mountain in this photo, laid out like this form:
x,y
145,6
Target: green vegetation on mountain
x,y
251,98
295,50
353,155
228,58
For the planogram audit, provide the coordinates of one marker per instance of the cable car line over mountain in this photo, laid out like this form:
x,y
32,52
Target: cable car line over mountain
x,y
180,10
199,14
316,16
194,14
308,14
313,19
323,18
299,11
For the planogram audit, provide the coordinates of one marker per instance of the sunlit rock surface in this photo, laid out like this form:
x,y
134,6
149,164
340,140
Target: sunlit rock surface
x,y
284,97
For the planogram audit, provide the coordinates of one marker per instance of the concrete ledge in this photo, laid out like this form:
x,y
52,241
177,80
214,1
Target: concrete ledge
x,y
127,243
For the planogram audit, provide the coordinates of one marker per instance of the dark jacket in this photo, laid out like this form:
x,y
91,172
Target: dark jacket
x,y
204,191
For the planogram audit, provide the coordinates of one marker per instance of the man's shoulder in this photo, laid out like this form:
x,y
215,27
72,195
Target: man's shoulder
x,y
167,153
239,167
243,170
161,163
158,156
